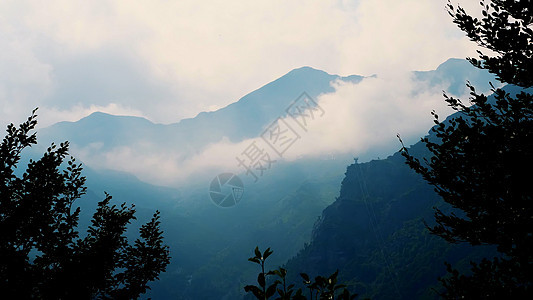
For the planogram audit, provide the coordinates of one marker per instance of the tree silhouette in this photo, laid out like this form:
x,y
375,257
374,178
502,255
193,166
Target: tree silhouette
x,y
481,158
325,288
41,252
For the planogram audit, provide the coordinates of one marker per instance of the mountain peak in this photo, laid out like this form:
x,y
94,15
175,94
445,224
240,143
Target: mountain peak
x,y
306,69
99,116
454,64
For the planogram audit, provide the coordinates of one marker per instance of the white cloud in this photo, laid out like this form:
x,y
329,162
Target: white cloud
x,y
364,118
24,80
167,166
361,119
173,59
165,60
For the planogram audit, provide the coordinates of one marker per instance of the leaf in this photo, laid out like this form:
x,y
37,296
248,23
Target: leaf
x,y
261,279
267,253
258,293
255,260
271,290
333,277
306,278
257,252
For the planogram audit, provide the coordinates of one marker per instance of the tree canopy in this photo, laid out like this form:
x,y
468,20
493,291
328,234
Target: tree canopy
x,y
41,252
481,157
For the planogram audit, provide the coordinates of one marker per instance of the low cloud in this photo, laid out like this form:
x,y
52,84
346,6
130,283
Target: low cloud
x,y
167,166
361,119
364,118
167,60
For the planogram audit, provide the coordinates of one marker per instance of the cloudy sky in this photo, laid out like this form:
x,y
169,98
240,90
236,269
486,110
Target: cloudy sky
x,y
167,60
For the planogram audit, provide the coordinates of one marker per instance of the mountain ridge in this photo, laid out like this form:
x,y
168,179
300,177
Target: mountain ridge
x,y
212,244
375,231
451,64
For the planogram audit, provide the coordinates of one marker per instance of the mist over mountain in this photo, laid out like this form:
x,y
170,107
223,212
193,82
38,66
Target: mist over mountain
x,y
238,121
375,232
196,148
169,167
455,72
340,149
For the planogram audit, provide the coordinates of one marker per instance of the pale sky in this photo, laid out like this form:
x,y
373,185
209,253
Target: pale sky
x,y
167,60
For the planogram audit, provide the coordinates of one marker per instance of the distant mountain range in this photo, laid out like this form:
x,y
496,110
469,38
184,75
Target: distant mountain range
x,y
99,134
243,119
210,245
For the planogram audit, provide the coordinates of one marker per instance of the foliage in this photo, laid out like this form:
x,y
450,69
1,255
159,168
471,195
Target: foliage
x,y
326,288
41,252
479,157
506,31
261,291
323,287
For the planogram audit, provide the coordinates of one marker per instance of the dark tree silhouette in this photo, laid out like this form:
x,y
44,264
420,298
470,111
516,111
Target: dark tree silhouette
x,y
481,159
41,253
325,288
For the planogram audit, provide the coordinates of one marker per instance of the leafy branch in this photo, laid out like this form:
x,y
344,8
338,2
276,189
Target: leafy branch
x,y
321,288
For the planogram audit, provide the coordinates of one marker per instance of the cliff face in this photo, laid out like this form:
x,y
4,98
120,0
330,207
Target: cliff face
x,y
374,233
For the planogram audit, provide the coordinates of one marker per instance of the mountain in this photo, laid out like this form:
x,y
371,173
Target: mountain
x,y
209,244
246,117
455,72
100,137
375,232
243,119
